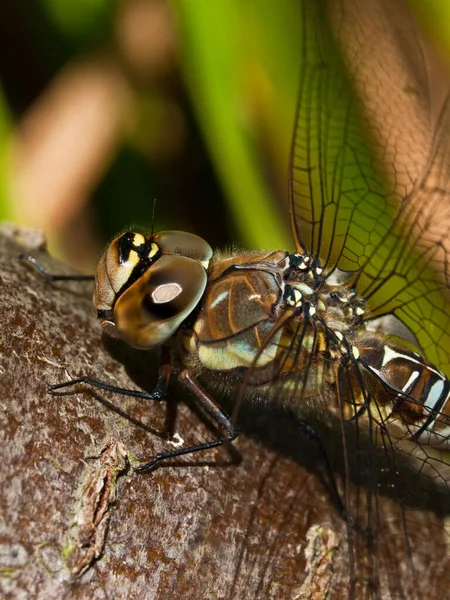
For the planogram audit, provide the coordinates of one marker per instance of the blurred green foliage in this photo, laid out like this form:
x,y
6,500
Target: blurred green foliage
x,y
78,21
6,209
434,15
240,65
240,60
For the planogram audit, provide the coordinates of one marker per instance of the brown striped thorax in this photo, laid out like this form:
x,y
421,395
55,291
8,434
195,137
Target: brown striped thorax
x,y
255,307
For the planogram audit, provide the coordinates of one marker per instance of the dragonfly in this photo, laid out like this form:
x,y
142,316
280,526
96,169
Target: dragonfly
x,y
353,327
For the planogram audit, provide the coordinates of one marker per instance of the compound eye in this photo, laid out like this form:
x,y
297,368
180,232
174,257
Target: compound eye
x,y
184,244
150,311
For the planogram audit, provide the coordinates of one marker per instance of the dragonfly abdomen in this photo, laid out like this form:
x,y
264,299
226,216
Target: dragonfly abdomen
x,y
411,395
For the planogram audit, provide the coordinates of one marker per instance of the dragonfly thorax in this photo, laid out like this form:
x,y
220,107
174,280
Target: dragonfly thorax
x,y
306,286
269,317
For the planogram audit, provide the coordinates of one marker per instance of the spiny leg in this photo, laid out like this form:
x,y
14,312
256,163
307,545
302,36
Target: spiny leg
x,y
214,410
159,393
309,432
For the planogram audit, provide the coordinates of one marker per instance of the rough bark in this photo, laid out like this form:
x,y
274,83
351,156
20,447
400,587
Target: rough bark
x,y
255,522
77,522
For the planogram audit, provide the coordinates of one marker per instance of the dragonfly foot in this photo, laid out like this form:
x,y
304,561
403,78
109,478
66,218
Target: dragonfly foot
x,y
150,464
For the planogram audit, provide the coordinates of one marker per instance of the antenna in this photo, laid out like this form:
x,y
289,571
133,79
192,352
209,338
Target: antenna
x,y
153,215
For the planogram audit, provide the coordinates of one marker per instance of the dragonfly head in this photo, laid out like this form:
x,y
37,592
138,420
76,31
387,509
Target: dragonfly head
x,y
147,285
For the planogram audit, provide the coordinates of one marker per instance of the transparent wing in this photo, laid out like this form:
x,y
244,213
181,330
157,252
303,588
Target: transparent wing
x,y
409,274
366,178
397,492
370,196
350,102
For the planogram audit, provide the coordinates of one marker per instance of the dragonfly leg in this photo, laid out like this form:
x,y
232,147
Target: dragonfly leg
x,y
158,394
313,435
214,410
57,387
50,276
309,432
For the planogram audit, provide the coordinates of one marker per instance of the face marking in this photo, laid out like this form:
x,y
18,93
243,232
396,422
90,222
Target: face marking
x,y
154,249
138,240
133,259
133,249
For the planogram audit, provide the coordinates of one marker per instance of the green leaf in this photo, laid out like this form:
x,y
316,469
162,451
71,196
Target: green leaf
x,y
240,61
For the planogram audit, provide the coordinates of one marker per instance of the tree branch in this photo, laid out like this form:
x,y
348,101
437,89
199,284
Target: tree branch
x,y
75,516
